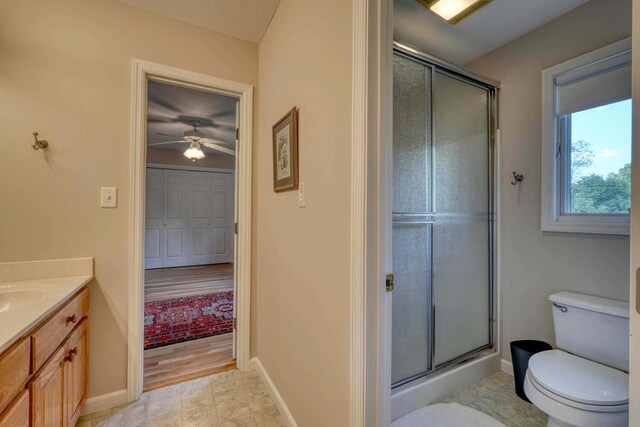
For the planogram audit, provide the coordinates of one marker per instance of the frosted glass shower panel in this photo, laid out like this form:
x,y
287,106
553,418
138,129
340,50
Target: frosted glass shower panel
x,y
412,218
461,251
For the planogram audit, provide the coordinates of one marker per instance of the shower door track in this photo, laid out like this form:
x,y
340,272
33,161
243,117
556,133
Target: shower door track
x,y
492,87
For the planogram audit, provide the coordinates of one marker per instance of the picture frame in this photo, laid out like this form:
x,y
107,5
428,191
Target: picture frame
x,y
285,152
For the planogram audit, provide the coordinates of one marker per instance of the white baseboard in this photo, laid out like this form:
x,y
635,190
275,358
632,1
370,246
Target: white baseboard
x,y
275,395
104,402
506,366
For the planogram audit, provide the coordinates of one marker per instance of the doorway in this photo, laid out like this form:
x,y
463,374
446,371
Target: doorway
x,y
191,216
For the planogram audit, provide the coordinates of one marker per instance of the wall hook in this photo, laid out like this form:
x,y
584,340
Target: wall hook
x,y
39,143
517,177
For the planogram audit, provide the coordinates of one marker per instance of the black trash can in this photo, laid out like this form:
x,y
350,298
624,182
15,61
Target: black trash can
x,y
521,352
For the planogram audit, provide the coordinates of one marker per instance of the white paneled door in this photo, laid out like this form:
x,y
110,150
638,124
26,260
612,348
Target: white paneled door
x,y
175,218
199,243
153,220
189,218
222,217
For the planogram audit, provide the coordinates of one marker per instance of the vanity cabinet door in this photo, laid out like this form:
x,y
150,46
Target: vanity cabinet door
x,y
75,373
47,393
17,414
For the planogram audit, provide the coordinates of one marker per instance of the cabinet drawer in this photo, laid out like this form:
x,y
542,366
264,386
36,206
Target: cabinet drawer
x,y
17,415
54,330
14,371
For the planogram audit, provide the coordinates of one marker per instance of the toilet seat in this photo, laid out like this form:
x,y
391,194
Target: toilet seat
x,y
564,412
578,382
574,392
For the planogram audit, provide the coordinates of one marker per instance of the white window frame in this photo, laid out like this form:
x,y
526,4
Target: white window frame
x,y
553,166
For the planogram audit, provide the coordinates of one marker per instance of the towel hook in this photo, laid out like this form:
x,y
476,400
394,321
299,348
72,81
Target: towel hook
x,y
39,143
517,177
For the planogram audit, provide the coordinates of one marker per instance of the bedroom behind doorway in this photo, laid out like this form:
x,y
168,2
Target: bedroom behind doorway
x,y
189,234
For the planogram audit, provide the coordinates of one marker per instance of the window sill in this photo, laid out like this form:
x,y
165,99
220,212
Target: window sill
x,y
588,225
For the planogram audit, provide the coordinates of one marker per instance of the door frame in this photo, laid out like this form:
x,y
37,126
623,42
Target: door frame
x,y
142,72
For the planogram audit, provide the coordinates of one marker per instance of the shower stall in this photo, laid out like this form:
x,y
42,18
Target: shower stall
x,y
443,232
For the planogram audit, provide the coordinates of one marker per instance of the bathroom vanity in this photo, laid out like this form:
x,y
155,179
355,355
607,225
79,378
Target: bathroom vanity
x,y
43,343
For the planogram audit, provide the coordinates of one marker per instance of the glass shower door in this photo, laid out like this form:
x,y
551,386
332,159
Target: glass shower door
x,y
441,218
412,220
461,261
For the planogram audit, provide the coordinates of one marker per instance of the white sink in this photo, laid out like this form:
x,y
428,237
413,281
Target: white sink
x,y
13,298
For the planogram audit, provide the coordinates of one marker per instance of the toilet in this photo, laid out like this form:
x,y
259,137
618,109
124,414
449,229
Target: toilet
x,y
584,382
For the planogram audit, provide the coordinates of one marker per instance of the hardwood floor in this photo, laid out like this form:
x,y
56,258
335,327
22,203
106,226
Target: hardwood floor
x,y
184,361
164,283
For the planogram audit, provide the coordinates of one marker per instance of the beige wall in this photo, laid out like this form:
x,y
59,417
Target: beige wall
x,y
302,274
634,380
66,72
174,157
535,264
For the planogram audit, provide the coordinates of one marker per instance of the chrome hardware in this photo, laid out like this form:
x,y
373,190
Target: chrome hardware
x,y
517,177
39,143
562,308
389,282
413,218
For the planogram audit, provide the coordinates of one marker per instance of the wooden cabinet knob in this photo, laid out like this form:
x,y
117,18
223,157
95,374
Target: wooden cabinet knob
x,y
72,354
72,319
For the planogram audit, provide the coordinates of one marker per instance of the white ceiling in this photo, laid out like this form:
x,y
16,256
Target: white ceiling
x,y
172,110
244,19
491,27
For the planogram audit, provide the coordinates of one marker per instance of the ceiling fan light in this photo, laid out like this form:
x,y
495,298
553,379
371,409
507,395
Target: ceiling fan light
x,y
454,11
194,153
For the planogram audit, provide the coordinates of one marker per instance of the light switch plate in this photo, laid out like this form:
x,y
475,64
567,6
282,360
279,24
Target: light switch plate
x,y
302,195
108,197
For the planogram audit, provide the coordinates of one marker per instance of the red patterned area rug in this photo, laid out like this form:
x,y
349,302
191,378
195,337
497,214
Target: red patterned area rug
x,y
176,320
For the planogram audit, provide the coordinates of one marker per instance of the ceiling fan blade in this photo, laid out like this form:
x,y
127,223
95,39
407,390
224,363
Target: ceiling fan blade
x,y
227,113
156,119
166,134
166,142
217,147
217,141
159,100
223,126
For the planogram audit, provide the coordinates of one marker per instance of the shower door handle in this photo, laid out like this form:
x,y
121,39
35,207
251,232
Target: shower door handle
x,y
389,282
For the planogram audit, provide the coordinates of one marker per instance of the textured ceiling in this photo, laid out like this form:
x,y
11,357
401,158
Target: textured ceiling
x,y
491,27
244,19
171,110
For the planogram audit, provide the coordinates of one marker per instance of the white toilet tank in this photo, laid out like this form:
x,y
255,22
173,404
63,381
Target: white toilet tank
x,y
592,327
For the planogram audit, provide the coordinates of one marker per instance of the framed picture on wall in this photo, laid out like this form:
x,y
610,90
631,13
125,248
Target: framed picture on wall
x,y
285,152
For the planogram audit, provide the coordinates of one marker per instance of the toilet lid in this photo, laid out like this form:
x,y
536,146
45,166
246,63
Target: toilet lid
x,y
579,379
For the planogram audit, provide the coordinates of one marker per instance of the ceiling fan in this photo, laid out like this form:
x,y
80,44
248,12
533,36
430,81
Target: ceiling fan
x,y
195,139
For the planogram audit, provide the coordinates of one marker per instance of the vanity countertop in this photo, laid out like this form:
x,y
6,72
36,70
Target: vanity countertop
x,y
25,303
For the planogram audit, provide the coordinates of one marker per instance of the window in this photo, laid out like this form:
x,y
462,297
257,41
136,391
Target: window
x,y
586,181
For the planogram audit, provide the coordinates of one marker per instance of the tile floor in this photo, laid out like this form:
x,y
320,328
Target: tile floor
x,y
227,399
232,398
495,396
